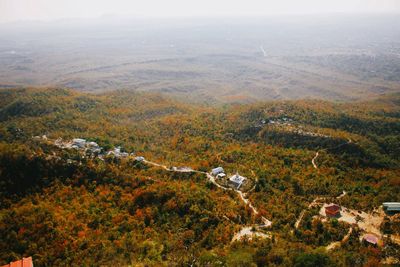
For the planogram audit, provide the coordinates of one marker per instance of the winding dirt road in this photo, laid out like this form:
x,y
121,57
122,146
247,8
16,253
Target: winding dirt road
x,y
349,141
337,244
313,160
316,201
245,231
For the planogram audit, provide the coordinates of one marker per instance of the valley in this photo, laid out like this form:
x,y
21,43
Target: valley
x,y
220,60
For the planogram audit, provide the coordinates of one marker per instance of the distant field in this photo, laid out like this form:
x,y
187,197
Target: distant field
x,y
213,60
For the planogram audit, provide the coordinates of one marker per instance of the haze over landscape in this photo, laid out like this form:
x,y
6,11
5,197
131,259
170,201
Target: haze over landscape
x,y
199,133
20,10
338,56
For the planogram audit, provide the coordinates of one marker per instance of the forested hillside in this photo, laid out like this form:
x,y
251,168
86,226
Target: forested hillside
x,y
67,208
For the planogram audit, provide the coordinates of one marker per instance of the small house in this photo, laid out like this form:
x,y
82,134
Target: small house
x,y
96,150
25,262
391,206
221,175
92,144
93,147
116,152
78,143
140,159
217,171
370,239
332,210
236,180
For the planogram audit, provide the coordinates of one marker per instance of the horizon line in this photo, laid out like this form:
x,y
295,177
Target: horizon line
x,y
194,17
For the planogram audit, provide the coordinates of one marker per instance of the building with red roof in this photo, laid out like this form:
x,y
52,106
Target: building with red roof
x,y
25,262
332,210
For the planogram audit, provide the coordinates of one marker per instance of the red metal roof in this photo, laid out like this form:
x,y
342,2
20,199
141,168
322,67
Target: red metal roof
x,y
25,262
332,208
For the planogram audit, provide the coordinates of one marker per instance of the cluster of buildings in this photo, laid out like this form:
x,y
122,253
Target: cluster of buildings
x,y
235,180
288,122
116,152
301,132
283,120
279,121
93,148
334,211
78,143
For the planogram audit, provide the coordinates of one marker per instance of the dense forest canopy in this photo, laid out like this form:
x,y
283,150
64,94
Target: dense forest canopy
x,y
66,208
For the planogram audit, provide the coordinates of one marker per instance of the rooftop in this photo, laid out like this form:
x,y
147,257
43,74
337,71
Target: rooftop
x,y
139,158
392,206
25,262
236,178
78,140
370,238
217,170
333,207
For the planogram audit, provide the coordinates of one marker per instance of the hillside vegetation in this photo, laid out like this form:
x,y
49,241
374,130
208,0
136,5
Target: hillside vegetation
x,y
65,208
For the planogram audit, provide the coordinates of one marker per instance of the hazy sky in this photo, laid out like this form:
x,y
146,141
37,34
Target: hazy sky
x,y
11,10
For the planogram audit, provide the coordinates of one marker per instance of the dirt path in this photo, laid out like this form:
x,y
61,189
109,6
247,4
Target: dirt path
x,y
248,231
173,169
157,165
246,201
395,239
313,160
368,222
313,203
245,231
212,179
297,223
337,244
342,195
349,141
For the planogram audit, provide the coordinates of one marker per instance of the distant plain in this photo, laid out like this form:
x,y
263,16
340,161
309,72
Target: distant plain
x,y
209,60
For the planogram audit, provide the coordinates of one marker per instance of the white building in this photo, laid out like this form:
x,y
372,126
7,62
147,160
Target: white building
x,y
93,147
92,144
217,171
391,206
140,159
78,142
221,175
116,152
236,180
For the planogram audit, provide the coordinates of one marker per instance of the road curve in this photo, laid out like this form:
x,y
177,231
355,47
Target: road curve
x,y
313,160
265,221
